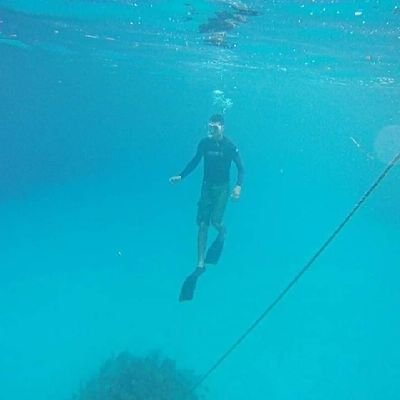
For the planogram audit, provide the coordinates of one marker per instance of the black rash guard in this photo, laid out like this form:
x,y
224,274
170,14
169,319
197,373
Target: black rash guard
x,y
218,156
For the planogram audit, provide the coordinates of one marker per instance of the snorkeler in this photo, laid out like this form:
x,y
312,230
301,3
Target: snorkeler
x,y
218,153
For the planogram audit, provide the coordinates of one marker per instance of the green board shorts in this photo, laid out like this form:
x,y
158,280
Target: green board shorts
x,y
212,203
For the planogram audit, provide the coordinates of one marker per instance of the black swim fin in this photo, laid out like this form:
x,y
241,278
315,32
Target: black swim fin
x,y
189,285
214,251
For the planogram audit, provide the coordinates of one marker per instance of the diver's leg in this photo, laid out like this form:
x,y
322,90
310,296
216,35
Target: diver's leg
x,y
203,222
220,227
215,250
220,199
202,243
221,196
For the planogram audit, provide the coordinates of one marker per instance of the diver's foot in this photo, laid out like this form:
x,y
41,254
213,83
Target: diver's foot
x,y
220,237
198,271
215,250
189,285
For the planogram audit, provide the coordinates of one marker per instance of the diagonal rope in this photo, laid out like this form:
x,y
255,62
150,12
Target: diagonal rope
x,y
283,293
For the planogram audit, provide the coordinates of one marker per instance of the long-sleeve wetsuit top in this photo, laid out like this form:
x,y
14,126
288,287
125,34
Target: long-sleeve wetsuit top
x,y
218,156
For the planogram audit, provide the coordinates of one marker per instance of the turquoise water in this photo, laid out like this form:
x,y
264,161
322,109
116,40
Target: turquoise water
x,y
102,101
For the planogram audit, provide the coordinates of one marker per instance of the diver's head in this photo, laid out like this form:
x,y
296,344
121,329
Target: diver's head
x,y
216,126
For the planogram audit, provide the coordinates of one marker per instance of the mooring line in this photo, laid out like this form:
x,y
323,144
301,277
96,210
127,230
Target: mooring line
x,y
311,261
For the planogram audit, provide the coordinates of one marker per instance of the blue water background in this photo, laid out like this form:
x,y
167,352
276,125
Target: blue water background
x,y
95,242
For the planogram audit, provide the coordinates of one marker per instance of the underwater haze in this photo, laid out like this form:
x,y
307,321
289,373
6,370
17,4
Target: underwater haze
x,y
101,101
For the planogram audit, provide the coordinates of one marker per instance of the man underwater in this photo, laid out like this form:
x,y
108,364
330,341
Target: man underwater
x,y
218,153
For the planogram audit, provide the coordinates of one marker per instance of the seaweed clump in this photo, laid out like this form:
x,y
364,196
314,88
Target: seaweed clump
x,y
126,377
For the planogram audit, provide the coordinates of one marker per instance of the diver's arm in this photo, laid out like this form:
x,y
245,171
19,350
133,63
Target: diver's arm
x,y
238,187
240,169
194,162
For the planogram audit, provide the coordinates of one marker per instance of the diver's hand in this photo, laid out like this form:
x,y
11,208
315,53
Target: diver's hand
x,y
236,192
175,179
